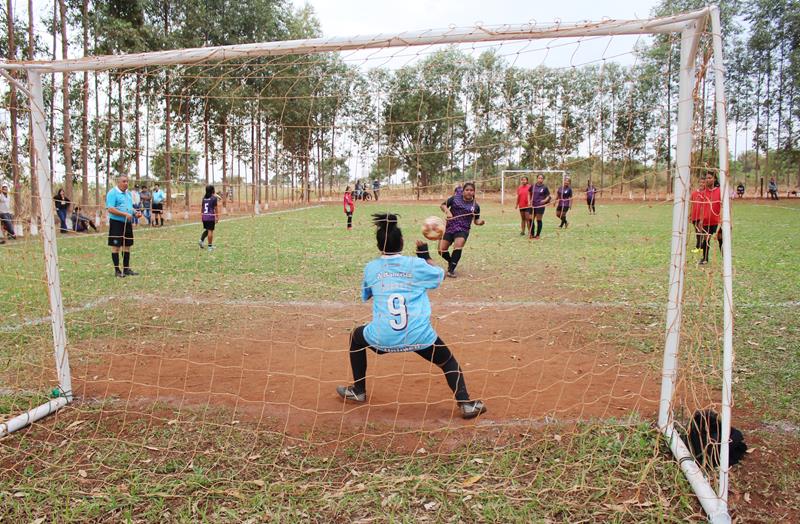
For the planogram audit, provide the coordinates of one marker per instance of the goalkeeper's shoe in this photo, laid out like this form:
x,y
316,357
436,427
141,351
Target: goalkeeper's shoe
x,y
348,393
472,408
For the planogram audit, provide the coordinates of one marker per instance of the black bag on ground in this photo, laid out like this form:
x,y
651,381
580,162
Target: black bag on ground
x,y
704,434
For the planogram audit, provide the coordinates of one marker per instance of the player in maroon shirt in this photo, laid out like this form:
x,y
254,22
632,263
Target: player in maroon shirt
x,y
524,205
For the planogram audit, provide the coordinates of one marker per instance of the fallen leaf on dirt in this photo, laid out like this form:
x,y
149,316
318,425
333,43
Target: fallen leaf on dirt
x,y
75,424
172,422
470,481
152,448
747,497
430,506
254,457
82,473
258,482
615,507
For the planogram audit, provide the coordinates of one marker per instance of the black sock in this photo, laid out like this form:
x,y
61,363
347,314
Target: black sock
x,y
454,258
563,220
115,259
445,255
538,227
358,359
204,235
126,259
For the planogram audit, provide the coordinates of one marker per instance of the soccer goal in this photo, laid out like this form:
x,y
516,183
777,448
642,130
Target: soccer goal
x,y
225,363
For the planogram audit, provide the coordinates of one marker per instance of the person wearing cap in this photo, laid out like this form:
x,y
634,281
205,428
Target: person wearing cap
x,y
6,218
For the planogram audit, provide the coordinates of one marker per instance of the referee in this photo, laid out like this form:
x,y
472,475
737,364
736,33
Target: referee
x,y
120,232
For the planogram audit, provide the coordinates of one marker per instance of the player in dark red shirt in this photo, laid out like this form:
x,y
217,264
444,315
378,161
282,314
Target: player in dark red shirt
x,y
210,216
710,213
349,206
462,211
524,205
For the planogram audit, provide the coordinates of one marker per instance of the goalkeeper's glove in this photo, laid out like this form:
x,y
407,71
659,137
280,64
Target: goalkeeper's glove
x,y
422,252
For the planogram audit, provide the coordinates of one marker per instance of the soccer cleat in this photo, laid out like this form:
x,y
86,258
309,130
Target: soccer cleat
x,y
522,233
472,408
201,244
119,274
702,263
348,393
451,274
211,248
129,272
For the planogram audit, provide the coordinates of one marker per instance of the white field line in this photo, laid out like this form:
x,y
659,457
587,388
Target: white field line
x,y
147,229
331,305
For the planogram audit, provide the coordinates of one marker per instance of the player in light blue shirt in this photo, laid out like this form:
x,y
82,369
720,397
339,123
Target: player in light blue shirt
x,y
401,315
120,231
158,206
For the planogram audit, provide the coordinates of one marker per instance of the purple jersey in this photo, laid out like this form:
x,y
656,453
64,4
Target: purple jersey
x,y
539,195
590,192
564,196
463,213
209,208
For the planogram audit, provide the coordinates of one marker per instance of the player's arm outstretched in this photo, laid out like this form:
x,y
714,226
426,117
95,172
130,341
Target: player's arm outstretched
x,y
422,252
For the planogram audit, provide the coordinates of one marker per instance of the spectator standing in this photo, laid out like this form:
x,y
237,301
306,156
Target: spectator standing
x,y
62,208
6,218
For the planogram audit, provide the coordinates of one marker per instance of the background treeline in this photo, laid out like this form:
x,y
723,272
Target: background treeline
x,y
313,122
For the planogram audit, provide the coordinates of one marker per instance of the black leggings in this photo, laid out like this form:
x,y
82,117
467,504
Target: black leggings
x,y
438,353
710,231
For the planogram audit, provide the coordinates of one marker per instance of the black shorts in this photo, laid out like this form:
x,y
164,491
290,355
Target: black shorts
x,y
208,225
120,233
563,209
525,211
158,208
451,237
539,210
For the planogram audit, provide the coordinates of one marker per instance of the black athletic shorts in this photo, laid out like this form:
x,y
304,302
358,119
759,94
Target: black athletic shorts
x,y
450,237
539,210
562,208
158,208
120,233
526,210
209,224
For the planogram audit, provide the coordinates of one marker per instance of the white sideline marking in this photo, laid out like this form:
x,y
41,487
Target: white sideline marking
x,y
144,228
328,304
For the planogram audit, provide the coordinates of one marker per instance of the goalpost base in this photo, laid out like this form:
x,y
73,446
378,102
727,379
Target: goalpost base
x,y
32,415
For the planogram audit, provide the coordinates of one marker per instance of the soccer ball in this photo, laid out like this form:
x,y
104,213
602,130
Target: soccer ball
x,y
433,228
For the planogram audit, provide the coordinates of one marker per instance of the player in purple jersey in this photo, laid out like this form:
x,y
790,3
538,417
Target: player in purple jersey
x,y
462,211
564,202
591,195
540,197
398,286
210,216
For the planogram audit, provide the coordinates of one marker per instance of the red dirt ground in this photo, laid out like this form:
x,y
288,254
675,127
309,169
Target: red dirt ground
x,y
279,366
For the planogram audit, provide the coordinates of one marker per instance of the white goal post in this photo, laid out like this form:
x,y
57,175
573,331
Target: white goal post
x,y
561,173
689,26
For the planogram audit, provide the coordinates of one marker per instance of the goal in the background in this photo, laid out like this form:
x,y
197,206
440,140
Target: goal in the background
x,y
255,341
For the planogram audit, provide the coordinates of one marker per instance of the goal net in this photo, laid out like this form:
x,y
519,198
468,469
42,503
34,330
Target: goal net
x,y
210,377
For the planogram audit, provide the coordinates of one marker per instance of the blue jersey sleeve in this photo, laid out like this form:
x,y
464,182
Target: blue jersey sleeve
x,y
110,200
366,289
426,275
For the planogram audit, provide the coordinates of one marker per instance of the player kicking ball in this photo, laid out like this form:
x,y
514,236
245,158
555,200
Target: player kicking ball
x,y
401,315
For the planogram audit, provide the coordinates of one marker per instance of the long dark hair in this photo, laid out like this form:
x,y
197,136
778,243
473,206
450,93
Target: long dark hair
x,y
209,191
388,235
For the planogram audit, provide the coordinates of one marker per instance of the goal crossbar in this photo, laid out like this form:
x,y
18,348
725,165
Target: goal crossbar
x,y
530,31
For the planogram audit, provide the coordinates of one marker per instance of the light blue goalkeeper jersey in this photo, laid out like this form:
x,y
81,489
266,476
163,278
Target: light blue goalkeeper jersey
x,y
401,311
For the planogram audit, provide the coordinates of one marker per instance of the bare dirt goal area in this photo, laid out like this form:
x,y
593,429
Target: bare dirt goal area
x,y
278,364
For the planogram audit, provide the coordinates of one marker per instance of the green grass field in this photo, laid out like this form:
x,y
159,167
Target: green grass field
x,y
92,462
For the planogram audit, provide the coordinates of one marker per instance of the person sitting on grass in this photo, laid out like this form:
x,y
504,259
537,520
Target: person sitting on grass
x,y
80,222
401,315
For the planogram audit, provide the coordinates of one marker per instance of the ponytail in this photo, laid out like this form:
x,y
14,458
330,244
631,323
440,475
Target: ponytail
x,y
389,236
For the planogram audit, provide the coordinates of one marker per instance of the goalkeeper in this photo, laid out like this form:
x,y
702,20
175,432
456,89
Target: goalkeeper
x,y
401,315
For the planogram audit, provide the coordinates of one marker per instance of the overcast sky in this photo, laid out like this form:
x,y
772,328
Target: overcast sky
x,y
353,17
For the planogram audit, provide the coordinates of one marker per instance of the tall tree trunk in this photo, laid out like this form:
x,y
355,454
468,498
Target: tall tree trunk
x,y
186,157
96,127
50,145
109,123
67,131
266,164
138,128
12,110
85,115
224,161
255,145
34,185
122,167
205,139
168,147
